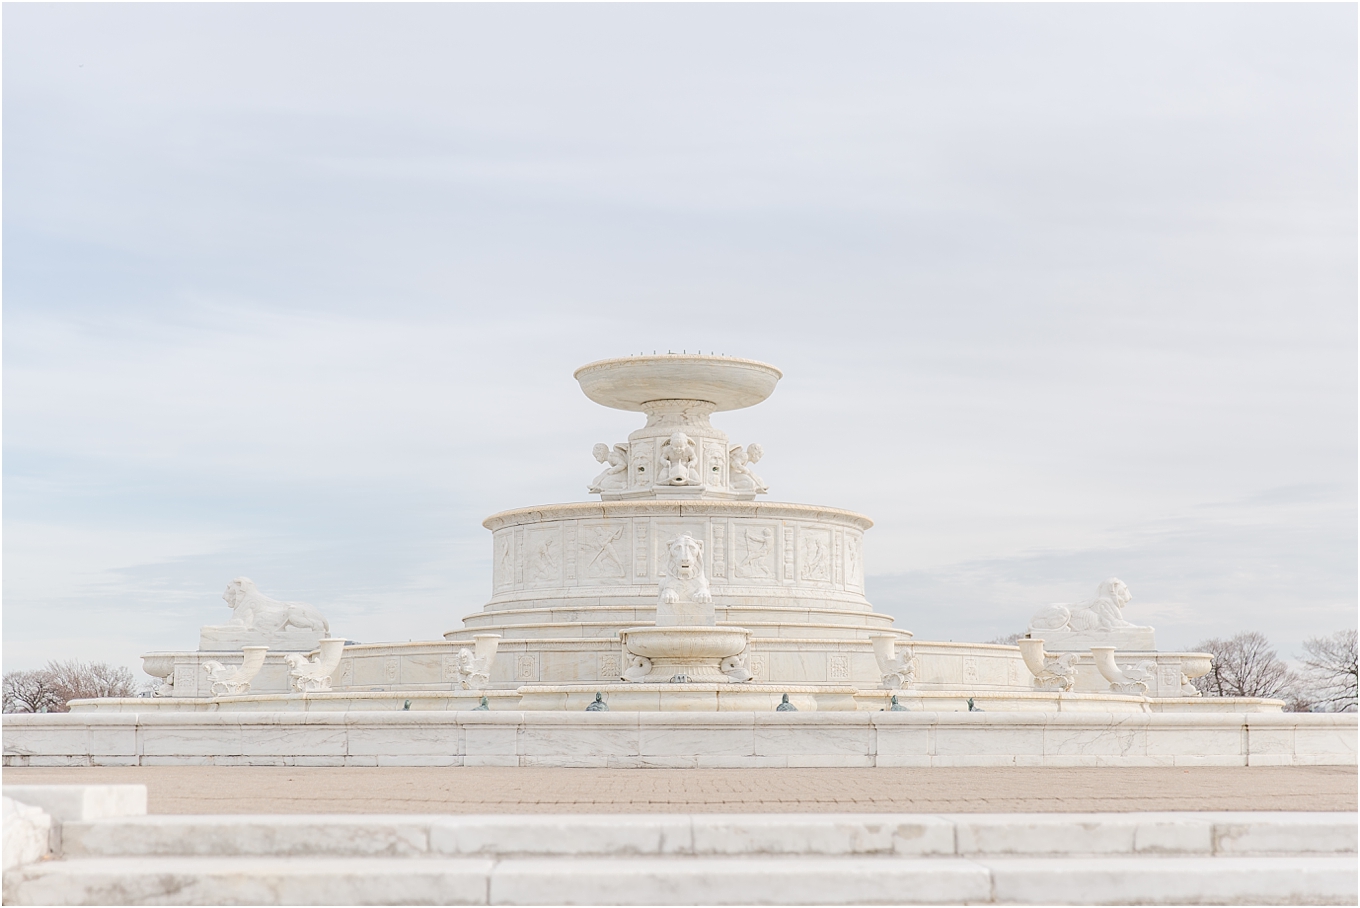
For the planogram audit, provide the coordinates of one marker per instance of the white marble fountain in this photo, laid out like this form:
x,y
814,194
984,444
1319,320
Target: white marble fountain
x,y
680,589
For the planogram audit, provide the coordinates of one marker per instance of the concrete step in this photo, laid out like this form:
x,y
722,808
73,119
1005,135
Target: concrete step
x,y
685,880
731,835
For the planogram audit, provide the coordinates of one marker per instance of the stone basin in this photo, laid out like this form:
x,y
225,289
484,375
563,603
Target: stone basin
x,y
727,382
694,653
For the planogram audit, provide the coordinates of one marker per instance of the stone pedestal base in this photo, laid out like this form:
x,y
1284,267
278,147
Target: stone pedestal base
x,y
219,637
1135,639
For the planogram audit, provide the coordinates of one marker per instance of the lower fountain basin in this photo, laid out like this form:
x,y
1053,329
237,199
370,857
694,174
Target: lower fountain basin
x,y
685,653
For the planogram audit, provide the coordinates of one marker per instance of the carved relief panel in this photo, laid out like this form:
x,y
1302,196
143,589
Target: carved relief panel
x,y
854,560
569,550
814,555
754,550
542,556
642,463
715,465
503,560
603,552
717,558
790,574
641,533
838,558
186,680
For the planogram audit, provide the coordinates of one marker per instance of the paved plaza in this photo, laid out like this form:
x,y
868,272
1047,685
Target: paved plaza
x,y
466,790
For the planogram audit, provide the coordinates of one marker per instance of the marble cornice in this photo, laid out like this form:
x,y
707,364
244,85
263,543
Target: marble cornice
x,y
684,508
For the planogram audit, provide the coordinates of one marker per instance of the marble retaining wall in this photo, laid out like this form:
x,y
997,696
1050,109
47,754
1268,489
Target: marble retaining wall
x,y
680,739
977,667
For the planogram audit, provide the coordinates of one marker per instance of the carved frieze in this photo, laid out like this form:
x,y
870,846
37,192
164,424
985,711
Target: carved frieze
x,y
627,551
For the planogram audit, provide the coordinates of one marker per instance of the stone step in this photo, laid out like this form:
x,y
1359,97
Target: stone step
x,y
703,835
685,880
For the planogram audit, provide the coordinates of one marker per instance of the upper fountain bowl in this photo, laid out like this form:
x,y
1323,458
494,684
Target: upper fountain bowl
x,y
629,382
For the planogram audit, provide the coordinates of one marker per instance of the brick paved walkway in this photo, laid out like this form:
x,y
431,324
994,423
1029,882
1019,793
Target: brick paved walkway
x,y
262,789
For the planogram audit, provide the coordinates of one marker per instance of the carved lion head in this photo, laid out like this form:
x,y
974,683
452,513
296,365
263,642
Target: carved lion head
x,y
1116,591
686,557
238,590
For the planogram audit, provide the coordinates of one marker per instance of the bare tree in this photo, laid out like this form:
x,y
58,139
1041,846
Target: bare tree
x,y
51,688
31,692
1247,666
1008,640
1329,671
76,680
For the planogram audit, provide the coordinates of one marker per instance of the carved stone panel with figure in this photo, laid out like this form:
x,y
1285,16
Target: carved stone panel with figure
x,y
542,556
603,552
814,556
854,561
503,566
753,552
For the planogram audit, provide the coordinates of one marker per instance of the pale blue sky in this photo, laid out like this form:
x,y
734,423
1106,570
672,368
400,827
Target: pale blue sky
x,y
296,292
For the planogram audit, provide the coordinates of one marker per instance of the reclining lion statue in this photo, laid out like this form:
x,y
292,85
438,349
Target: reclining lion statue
x,y
254,610
1103,613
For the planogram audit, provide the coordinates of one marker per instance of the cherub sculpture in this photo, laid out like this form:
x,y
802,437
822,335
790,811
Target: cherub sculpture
x,y
743,478
682,459
615,476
